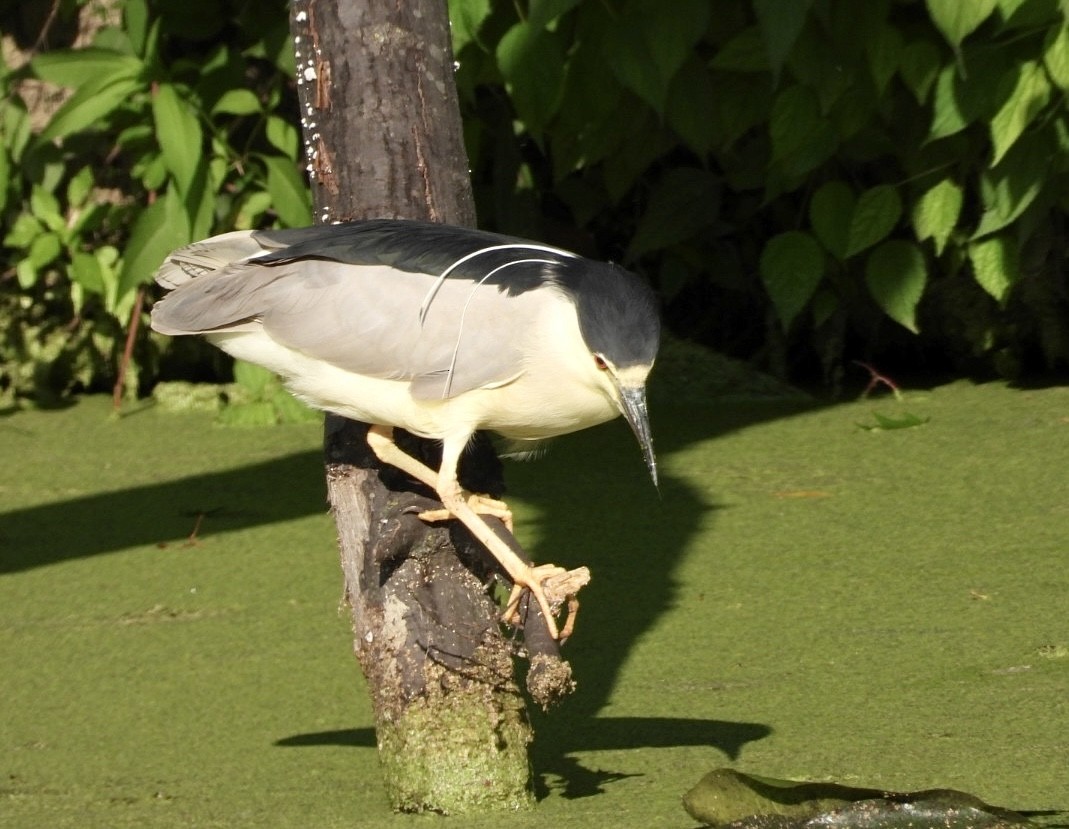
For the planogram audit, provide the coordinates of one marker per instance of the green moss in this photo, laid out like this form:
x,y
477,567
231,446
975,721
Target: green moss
x,y
430,754
804,599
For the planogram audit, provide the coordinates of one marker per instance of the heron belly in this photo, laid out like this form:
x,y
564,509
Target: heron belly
x,y
327,387
549,398
531,408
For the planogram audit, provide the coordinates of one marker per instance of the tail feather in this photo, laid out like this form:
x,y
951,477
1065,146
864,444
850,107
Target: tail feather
x,y
229,293
207,256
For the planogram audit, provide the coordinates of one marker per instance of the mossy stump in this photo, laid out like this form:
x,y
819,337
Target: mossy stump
x,y
439,752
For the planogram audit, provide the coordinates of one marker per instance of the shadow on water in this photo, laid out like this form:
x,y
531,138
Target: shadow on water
x,y
262,493
593,505
603,511
603,734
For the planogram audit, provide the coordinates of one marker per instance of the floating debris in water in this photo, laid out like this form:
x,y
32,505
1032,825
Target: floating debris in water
x,y
729,799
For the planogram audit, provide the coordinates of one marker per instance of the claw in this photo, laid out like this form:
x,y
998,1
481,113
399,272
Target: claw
x,y
555,587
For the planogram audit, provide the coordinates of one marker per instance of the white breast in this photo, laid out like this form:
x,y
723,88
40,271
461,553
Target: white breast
x,y
558,391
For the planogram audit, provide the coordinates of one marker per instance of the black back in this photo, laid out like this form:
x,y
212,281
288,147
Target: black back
x,y
617,311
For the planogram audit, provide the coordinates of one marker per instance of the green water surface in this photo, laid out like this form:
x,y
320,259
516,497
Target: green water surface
x,y
803,599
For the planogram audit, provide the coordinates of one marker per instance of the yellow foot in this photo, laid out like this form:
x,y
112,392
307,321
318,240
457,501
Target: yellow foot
x,y
551,587
480,505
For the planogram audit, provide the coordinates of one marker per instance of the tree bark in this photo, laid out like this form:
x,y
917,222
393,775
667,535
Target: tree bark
x,y
383,138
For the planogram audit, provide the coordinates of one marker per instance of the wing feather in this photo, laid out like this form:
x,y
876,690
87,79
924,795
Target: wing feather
x,y
362,318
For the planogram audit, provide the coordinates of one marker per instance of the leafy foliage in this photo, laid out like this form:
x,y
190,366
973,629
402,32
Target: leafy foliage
x,y
804,182
176,125
865,176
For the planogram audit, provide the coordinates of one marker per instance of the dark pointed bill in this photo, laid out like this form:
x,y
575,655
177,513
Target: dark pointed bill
x,y
633,404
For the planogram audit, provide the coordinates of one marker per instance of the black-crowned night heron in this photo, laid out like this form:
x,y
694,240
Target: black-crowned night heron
x,y
435,329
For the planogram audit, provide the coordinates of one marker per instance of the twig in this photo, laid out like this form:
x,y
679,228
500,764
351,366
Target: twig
x,y
877,379
193,541
131,335
42,36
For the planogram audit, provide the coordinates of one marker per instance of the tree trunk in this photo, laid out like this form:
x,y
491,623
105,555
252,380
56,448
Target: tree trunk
x,y
383,138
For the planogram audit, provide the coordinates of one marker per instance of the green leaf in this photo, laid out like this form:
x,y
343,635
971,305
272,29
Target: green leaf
x,y
136,20
251,377
823,306
672,37
1036,15
956,19
802,139
153,173
85,270
249,415
532,63
741,103
876,213
830,212
592,120
996,265
44,250
159,229
646,47
961,100
45,208
813,65
687,110
792,265
179,134
936,213
282,135
919,67
289,192
15,128
79,186
884,55
199,203
253,206
745,52
466,17
1008,8
1009,188
90,104
780,23
23,231
948,116
1030,95
237,102
544,12
854,113
886,423
646,142
5,178
74,67
896,274
288,409
1056,56
684,201
25,273
117,39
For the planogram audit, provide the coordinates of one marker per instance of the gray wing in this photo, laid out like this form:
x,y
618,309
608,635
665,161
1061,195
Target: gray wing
x,y
365,319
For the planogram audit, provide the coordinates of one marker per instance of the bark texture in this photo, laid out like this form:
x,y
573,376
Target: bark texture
x,y
383,138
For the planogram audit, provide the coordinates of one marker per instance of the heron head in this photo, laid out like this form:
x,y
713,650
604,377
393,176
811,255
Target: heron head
x,y
619,321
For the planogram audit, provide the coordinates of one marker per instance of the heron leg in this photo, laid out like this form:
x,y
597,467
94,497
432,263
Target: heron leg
x,y
457,503
380,439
